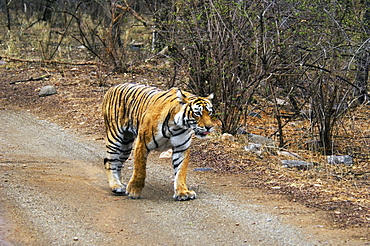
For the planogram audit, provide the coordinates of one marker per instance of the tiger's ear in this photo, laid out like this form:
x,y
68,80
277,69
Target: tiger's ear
x,y
181,97
210,97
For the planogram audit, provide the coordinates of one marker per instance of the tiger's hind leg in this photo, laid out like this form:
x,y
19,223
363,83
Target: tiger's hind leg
x,y
118,152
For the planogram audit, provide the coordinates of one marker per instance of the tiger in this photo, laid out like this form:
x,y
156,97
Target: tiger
x,y
143,118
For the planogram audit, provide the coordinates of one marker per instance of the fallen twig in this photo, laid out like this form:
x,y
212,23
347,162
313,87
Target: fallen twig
x,y
30,79
51,62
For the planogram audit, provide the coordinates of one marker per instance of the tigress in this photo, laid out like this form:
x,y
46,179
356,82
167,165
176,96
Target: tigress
x,y
157,120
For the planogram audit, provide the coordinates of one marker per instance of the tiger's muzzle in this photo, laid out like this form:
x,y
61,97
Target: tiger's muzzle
x,y
202,132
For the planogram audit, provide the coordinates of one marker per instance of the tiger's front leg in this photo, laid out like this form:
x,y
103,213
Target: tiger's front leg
x,y
137,181
180,161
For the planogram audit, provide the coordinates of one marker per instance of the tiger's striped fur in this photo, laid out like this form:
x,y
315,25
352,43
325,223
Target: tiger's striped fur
x,y
158,120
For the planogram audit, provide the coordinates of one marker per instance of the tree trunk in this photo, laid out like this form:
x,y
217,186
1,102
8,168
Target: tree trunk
x,y
362,76
363,59
7,14
48,11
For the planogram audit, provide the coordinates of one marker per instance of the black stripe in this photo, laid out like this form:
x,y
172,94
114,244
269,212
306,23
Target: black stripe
x,y
113,153
165,125
115,137
128,141
179,151
179,133
155,141
164,94
113,148
117,150
110,160
146,146
127,151
173,99
187,140
197,100
118,140
176,163
183,119
175,166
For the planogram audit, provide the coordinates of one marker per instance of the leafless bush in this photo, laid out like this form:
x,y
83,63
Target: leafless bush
x,y
107,36
215,42
104,28
298,51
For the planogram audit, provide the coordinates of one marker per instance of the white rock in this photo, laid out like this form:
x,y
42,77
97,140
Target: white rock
x,y
47,91
260,139
253,147
340,159
166,154
296,164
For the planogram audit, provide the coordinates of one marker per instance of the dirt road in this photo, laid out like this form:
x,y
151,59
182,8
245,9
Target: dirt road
x,y
53,191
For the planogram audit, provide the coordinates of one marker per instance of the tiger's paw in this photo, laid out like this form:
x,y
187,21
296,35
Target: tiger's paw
x,y
118,189
185,195
133,192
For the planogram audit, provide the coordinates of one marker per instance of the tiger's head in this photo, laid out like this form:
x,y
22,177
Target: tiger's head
x,y
195,113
